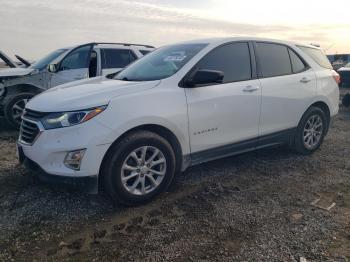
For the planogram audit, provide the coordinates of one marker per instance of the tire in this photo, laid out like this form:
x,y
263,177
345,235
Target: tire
x,y
14,106
119,157
305,141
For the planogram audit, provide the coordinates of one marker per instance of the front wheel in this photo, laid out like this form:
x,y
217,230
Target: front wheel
x,y
138,168
14,106
311,131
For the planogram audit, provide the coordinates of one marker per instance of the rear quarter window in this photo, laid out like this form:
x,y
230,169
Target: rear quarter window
x,y
297,64
318,56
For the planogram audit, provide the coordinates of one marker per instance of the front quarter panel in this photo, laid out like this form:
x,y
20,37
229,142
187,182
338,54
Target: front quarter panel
x,y
159,106
39,80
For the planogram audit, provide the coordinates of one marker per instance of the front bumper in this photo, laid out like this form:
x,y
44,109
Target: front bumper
x,y
88,184
50,148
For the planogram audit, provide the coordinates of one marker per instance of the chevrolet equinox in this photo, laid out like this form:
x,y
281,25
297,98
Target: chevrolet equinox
x,y
179,106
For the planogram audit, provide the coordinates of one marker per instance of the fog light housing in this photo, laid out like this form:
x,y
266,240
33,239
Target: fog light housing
x,y
73,159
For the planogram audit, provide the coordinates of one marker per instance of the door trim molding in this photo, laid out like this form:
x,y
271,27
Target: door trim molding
x,y
273,139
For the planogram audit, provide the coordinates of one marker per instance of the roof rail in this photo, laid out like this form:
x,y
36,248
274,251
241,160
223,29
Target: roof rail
x,y
124,44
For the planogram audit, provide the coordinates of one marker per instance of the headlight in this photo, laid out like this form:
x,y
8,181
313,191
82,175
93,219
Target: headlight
x,y
64,119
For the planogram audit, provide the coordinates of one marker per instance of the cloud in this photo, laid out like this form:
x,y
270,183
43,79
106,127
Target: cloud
x,y
33,28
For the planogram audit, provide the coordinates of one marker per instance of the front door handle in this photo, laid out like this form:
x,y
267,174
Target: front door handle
x,y
305,80
251,88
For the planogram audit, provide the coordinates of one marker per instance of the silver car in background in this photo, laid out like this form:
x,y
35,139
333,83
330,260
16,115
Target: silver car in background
x,y
19,84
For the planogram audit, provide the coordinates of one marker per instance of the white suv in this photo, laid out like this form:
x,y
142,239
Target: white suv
x,y
179,106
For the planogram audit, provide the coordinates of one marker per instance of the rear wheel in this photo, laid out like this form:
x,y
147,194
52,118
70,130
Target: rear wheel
x,y
14,106
311,131
138,168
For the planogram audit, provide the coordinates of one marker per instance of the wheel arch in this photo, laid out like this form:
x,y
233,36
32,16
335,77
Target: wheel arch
x,y
22,88
157,129
325,108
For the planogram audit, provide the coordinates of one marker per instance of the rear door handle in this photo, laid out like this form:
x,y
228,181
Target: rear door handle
x,y
251,88
305,80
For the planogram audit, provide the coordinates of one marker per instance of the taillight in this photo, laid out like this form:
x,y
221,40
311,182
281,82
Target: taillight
x,y
336,77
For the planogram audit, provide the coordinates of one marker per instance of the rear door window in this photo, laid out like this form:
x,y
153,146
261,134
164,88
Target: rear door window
x,y
232,59
274,59
116,58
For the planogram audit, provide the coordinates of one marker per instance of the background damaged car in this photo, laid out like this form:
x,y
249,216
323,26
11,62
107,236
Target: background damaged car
x,y
19,84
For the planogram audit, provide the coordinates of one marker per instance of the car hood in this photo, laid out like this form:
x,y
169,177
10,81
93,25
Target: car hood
x,y
96,92
8,72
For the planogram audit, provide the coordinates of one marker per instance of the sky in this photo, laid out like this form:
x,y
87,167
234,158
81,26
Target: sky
x,y
32,28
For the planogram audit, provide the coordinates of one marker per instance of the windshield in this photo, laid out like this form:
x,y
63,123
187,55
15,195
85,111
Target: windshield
x,y
347,65
42,63
161,63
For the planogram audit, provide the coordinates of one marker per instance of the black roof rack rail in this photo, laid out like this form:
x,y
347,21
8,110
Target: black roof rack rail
x,y
124,44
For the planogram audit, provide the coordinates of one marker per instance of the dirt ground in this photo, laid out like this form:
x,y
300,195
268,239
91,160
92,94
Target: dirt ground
x,y
260,206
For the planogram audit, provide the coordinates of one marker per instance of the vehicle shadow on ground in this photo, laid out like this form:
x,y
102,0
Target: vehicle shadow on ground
x,y
195,175
29,181
6,130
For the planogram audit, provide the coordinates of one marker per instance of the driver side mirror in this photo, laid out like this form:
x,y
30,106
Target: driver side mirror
x,y
52,68
205,77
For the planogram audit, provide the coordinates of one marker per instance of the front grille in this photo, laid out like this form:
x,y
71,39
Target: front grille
x,y
30,126
29,131
33,115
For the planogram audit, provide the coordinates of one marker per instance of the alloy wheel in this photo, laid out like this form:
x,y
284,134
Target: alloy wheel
x,y
143,170
313,131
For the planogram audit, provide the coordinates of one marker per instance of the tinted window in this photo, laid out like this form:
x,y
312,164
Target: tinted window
x,y
161,63
43,62
116,58
274,60
232,59
318,56
144,52
77,59
297,64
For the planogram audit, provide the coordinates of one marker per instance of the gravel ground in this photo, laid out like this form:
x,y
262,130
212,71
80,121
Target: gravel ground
x,y
253,207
